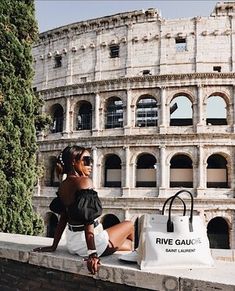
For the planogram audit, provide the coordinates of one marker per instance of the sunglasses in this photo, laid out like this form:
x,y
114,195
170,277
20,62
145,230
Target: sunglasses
x,y
87,160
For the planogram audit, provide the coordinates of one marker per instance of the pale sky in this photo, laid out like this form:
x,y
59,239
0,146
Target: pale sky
x,y
55,13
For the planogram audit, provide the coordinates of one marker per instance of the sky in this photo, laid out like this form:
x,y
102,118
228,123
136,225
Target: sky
x,y
55,13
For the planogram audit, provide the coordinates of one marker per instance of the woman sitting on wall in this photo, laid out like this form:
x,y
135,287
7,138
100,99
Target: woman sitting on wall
x,y
79,207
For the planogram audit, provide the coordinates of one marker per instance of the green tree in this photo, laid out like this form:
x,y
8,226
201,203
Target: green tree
x,y
19,110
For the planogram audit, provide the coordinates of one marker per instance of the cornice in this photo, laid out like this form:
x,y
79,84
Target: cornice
x,y
156,140
200,79
153,202
99,24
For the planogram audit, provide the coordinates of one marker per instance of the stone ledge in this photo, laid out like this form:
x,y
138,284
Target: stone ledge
x,y
19,248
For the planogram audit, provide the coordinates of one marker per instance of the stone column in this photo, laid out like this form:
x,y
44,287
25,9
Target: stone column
x,y
157,166
72,116
129,50
163,42
126,172
162,112
96,126
196,43
201,171
162,171
67,118
94,168
200,118
133,169
43,133
127,125
44,73
98,57
69,55
127,161
128,108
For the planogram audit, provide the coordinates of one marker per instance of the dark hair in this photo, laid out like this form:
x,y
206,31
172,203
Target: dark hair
x,y
66,157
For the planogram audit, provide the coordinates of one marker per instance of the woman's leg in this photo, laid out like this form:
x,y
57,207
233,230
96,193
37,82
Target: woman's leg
x,y
121,237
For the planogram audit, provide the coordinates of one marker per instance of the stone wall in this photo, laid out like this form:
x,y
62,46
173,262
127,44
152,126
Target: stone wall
x,y
146,42
21,269
21,276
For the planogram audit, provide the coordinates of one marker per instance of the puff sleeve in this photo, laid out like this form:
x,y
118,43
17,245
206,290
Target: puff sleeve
x,y
87,207
56,205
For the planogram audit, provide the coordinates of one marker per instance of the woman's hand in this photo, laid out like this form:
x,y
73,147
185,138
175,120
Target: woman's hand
x,y
45,249
93,264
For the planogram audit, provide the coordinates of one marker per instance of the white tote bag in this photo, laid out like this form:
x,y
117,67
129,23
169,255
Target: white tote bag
x,y
173,241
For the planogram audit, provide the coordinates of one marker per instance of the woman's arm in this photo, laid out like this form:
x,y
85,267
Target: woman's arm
x,y
58,233
93,261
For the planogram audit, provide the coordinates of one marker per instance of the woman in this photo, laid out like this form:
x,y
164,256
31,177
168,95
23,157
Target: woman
x,y
79,207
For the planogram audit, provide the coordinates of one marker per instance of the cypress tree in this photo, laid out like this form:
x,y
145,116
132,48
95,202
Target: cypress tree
x,y
19,110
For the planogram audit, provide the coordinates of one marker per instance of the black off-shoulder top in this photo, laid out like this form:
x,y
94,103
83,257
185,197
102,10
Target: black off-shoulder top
x,y
86,208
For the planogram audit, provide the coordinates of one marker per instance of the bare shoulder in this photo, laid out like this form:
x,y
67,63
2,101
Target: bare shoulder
x,y
84,183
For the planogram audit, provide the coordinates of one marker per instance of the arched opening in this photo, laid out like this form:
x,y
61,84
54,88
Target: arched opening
x,y
109,220
84,116
57,114
52,224
112,171
217,173
54,182
181,171
216,112
181,111
146,112
146,172
218,233
114,113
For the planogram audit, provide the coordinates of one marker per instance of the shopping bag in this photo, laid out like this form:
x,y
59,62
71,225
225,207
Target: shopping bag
x,y
174,241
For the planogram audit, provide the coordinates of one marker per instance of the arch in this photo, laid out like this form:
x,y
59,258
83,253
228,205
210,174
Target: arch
x,y
146,111
217,171
145,170
181,113
112,171
181,171
223,94
83,116
218,233
54,182
52,222
109,220
57,114
216,110
114,113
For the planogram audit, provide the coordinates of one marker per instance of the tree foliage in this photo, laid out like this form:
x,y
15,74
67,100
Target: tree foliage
x,y
19,110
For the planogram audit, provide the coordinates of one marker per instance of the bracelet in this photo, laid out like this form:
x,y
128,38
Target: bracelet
x,y
90,252
94,255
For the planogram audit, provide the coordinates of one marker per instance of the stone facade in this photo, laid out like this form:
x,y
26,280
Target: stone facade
x,y
111,84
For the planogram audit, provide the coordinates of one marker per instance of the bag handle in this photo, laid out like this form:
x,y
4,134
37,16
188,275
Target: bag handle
x,y
170,225
164,206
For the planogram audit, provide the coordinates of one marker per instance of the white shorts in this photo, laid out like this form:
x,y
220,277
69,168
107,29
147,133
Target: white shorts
x,y
76,241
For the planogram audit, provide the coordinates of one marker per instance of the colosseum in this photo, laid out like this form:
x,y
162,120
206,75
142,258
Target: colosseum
x,y
153,99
